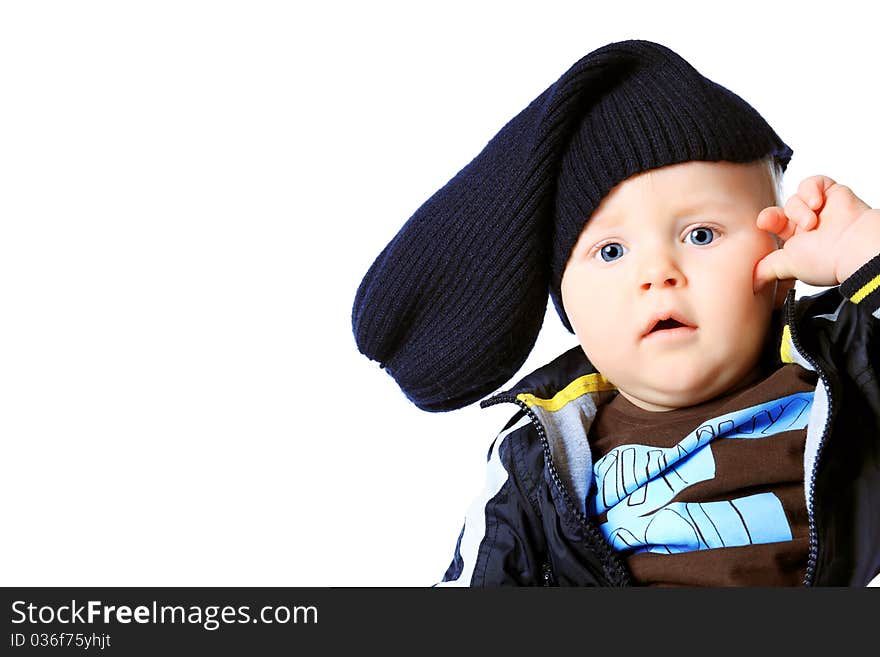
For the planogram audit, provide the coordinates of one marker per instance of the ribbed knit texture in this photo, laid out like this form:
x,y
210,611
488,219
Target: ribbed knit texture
x,y
453,305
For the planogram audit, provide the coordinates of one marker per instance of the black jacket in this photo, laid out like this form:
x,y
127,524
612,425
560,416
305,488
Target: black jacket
x,y
529,526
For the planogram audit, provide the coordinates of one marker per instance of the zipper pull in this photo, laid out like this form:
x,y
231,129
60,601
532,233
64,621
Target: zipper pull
x,y
548,574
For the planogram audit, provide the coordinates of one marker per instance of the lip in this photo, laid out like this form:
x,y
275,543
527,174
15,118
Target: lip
x,y
682,331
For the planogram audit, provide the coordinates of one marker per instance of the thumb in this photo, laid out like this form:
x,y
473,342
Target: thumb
x,y
772,267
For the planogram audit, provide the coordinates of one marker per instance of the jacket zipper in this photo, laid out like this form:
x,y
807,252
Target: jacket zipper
x,y
547,573
615,572
813,555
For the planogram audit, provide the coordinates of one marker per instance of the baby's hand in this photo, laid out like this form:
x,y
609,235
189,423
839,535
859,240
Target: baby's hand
x,y
828,233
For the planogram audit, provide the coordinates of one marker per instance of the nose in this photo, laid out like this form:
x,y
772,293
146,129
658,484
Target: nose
x,y
660,271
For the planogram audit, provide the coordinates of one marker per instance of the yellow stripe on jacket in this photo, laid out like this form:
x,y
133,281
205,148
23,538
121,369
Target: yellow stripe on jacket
x,y
580,386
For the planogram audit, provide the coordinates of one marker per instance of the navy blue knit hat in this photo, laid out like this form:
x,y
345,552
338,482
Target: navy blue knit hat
x,y
453,305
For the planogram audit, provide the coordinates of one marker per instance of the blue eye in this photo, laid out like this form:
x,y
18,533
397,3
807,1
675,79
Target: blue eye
x,y
611,251
702,235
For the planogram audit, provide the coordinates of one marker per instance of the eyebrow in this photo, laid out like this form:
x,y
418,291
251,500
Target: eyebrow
x,y
706,202
612,220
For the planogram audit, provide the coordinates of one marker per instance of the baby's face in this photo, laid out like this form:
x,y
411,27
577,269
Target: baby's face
x,y
678,241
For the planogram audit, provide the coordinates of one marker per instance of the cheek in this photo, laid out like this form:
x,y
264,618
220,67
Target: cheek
x,y
727,298
578,295
732,269
589,301
597,319
602,347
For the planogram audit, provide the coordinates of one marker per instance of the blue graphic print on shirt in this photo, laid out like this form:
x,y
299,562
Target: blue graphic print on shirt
x,y
634,486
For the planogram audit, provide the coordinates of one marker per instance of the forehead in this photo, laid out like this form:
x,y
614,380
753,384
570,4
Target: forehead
x,y
686,188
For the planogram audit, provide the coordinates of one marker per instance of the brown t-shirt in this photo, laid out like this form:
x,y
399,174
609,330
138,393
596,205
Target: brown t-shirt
x,y
712,494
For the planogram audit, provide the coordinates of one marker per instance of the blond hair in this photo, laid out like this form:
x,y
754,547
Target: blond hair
x,y
776,173
774,168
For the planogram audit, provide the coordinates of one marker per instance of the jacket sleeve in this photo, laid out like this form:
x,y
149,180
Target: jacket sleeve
x,y
839,324
862,288
857,322
849,481
501,541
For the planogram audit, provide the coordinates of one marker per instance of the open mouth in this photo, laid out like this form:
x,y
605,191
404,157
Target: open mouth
x,y
665,324
671,325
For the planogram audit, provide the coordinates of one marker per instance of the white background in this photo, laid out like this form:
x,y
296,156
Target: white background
x,y
190,193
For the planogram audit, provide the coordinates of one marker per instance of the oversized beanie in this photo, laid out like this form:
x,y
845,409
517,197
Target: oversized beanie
x,y
453,305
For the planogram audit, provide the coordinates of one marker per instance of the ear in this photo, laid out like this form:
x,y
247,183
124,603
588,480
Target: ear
x,y
782,288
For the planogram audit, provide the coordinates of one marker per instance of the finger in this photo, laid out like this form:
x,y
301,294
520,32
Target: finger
x,y
812,190
774,220
797,211
772,267
857,205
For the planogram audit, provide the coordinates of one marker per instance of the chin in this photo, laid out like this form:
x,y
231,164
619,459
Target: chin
x,y
683,391
676,400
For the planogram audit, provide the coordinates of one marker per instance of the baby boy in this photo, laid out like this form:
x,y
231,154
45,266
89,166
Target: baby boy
x,y
709,428
670,289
